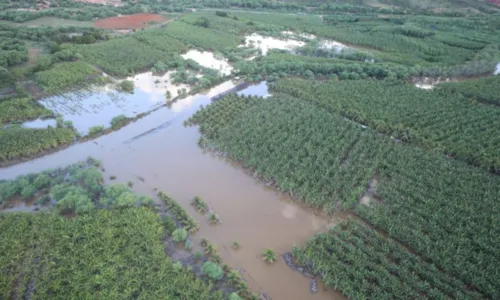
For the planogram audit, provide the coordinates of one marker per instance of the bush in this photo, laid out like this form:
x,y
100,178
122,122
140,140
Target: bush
x,y
146,201
188,245
95,130
212,270
177,266
91,180
126,200
8,189
77,202
235,296
169,224
179,235
119,121
41,181
43,200
59,191
28,191
269,256
126,86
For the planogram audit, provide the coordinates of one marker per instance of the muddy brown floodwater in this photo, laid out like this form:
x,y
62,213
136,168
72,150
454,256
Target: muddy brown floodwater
x,y
157,151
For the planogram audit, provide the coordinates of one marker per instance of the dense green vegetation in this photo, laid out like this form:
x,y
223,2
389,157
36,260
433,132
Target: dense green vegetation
x,y
201,36
443,209
122,56
16,142
360,262
21,109
458,128
112,254
484,90
63,75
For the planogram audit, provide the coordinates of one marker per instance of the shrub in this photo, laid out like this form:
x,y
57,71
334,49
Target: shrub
x,y
28,191
127,199
235,296
126,86
95,130
59,191
77,202
119,121
112,177
91,180
169,224
177,266
198,255
146,201
179,235
188,245
212,270
236,245
8,189
269,256
214,219
43,200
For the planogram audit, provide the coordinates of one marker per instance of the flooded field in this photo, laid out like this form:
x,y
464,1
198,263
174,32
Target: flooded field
x,y
157,151
39,123
209,60
98,105
265,43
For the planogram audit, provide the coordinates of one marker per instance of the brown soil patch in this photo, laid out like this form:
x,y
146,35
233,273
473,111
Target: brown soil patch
x,y
130,22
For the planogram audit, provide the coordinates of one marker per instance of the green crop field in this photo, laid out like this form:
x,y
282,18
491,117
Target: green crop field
x,y
443,209
388,114
107,254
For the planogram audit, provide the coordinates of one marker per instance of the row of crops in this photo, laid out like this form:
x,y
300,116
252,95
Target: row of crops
x,y
63,75
21,109
443,209
407,40
485,90
452,125
19,142
114,245
363,264
107,254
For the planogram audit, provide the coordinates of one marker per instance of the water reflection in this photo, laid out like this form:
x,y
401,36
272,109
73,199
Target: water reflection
x,y
497,70
265,43
98,105
39,123
259,89
208,60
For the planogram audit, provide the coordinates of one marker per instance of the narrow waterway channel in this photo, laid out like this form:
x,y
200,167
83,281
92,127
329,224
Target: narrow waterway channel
x,y
157,151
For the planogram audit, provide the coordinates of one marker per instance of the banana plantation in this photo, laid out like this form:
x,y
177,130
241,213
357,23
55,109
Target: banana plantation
x,y
453,125
444,210
106,254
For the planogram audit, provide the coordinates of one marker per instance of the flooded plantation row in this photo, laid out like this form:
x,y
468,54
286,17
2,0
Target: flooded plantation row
x,y
158,152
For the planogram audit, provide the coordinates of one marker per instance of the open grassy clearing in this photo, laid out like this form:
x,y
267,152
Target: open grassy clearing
x,y
443,209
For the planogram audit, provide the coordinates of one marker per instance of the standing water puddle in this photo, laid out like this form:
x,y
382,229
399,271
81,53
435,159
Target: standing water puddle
x,y
169,159
497,70
208,60
265,43
39,123
97,106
